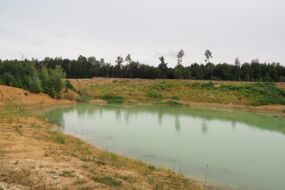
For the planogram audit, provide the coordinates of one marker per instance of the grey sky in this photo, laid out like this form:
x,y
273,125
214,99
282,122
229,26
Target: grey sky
x,y
247,29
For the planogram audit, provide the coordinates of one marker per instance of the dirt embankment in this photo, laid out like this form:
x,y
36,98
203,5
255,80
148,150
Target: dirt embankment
x,y
12,95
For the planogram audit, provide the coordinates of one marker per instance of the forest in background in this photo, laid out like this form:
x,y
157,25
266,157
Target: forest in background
x,y
88,67
45,75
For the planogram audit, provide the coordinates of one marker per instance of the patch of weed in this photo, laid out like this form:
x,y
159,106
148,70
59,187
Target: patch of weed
x,y
109,181
57,137
154,94
173,103
113,99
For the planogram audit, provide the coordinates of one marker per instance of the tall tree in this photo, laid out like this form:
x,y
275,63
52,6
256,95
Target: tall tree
x,y
128,59
162,67
119,60
118,67
208,55
237,62
180,56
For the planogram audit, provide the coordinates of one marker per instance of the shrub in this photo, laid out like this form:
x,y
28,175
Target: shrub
x,y
68,85
112,99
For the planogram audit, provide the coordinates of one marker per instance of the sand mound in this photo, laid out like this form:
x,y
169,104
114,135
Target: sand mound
x,y
23,97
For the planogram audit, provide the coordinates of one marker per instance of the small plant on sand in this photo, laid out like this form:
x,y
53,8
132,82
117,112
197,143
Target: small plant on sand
x,y
107,181
57,137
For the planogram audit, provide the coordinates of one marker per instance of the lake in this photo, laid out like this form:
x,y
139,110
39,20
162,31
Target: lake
x,y
243,150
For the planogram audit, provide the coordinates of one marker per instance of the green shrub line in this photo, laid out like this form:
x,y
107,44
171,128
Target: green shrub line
x,y
26,75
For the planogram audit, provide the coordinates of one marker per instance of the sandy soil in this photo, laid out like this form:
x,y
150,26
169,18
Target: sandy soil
x,y
23,97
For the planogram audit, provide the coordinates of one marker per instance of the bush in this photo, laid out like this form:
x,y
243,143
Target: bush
x,y
29,76
112,99
68,85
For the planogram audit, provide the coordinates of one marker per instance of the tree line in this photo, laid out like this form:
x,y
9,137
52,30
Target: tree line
x,y
87,67
34,77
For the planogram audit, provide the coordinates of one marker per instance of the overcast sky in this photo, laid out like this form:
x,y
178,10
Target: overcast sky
x,y
146,29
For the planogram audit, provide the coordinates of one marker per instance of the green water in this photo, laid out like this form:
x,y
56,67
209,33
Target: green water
x,y
241,150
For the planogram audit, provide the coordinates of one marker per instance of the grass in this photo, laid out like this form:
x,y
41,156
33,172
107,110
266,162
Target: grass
x,y
154,94
238,93
113,99
57,137
109,181
2,152
173,103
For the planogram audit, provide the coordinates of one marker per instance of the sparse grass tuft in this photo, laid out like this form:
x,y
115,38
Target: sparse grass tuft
x,y
66,174
109,181
57,137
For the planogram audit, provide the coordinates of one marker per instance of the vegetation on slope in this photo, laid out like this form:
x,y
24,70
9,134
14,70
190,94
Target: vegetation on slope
x,y
182,91
25,74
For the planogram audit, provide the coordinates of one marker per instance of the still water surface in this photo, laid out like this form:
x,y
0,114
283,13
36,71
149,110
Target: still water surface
x,y
242,150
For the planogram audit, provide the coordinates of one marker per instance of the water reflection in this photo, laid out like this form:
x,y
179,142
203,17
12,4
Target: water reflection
x,y
177,123
241,148
204,126
275,124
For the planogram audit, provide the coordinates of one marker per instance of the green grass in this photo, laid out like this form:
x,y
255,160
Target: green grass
x,y
113,99
154,94
173,103
239,93
259,93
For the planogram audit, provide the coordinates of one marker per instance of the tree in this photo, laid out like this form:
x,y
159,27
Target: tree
x,y
118,67
128,59
119,60
162,67
208,55
237,69
237,62
180,56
